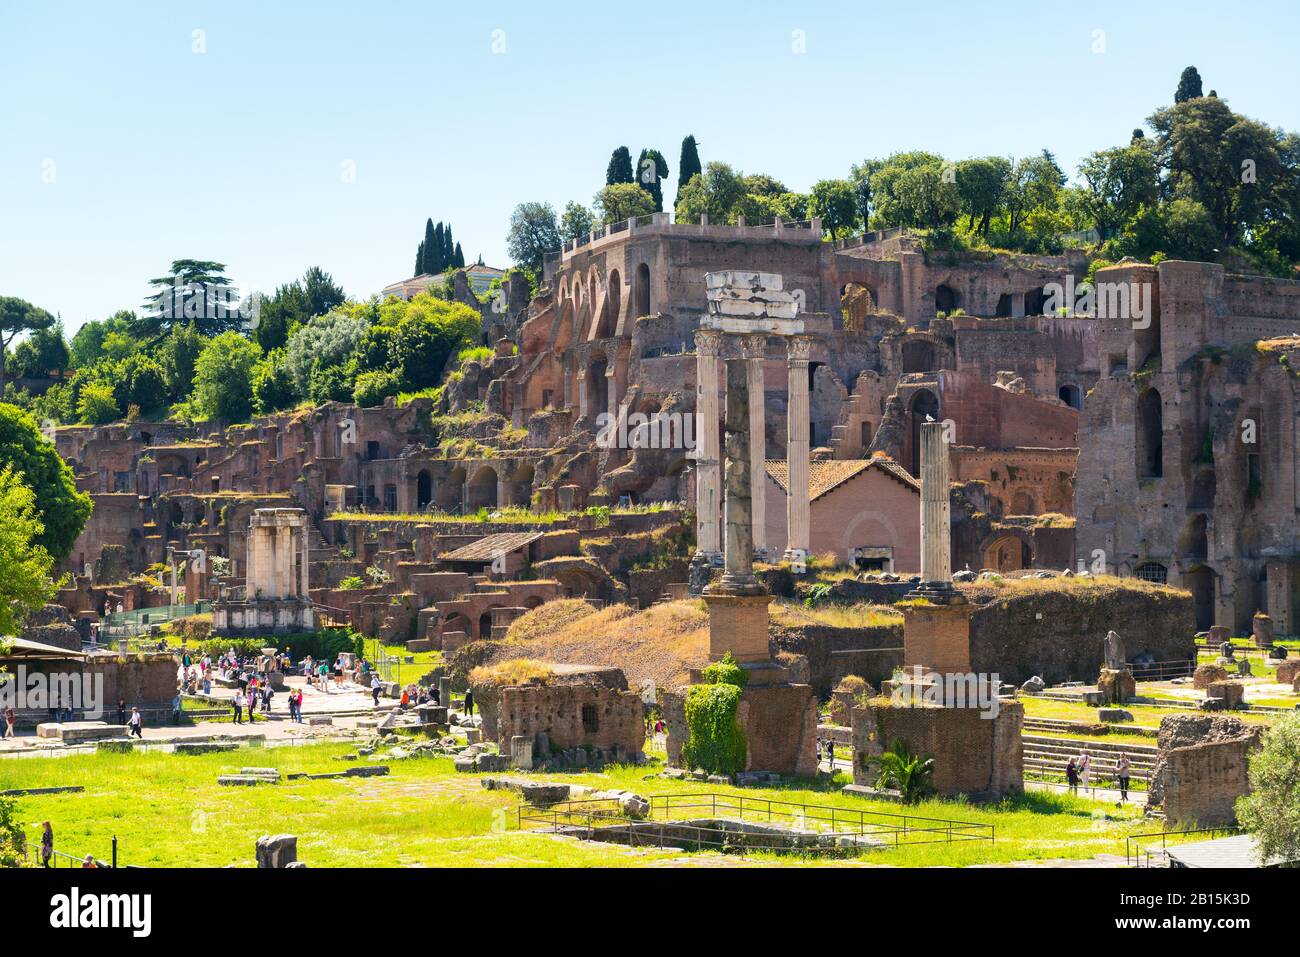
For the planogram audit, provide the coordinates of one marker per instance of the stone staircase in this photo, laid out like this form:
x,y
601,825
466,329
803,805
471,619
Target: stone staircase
x,y
1048,753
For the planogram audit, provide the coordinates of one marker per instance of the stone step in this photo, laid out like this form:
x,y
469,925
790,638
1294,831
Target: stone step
x,y
1100,746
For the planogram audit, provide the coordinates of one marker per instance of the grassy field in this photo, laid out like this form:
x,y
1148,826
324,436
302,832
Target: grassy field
x,y
1146,716
168,810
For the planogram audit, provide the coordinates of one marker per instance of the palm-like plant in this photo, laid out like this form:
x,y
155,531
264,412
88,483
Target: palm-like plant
x,y
905,772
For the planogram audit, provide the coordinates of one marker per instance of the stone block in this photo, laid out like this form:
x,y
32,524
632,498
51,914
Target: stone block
x,y
1233,693
1205,675
521,752
278,851
1288,670
1116,686
1114,714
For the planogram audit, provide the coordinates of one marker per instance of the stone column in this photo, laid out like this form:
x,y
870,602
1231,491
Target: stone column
x,y
797,506
611,379
755,350
708,490
936,520
305,581
739,553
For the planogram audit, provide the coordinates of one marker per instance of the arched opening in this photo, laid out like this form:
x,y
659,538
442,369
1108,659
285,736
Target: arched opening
x,y
857,301
485,625
1071,395
1204,487
1200,582
423,490
481,492
450,496
1022,503
1008,554
615,297
1003,310
1150,435
1152,572
1034,301
918,356
865,435
641,291
535,601
1194,544
597,388
946,299
457,622
924,403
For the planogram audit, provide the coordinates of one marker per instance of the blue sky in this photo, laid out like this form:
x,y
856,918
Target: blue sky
x,y
237,154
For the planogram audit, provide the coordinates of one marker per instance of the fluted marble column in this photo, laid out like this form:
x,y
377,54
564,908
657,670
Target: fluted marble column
x,y
797,507
708,491
755,350
936,518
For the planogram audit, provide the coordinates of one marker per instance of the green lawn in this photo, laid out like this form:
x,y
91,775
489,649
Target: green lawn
x,y
167,810
1146,716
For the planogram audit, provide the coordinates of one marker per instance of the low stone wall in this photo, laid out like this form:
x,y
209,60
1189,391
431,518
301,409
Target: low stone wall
x,y
1059,634
980,757
572,716
1202,768
834,653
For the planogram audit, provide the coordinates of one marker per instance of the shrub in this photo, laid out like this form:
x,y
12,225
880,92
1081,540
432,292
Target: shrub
x,y
351,583
196,628
715,743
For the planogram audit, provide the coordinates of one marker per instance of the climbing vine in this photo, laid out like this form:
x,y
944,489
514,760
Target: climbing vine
x,y
715,742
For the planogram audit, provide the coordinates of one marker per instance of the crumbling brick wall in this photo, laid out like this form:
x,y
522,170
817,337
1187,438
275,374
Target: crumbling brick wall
x,y
1201,768
573,716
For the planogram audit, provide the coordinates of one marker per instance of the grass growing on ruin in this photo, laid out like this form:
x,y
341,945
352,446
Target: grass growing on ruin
x,y
836,616
1097,587
168,811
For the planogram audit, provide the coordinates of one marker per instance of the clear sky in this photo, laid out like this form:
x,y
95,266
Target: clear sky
x,y
122,148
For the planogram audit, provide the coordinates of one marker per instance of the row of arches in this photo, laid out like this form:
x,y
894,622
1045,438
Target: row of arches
x,y
464,492
594,307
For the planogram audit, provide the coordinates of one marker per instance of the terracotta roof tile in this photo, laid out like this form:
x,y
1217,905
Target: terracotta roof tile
x,y
825,475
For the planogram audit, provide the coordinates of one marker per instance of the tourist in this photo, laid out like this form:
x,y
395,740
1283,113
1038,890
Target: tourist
x,y
1122,773
406,699
121,711
1072,776
374,689
267,692
469,702
1084,769
819,752
338,671
89,862
47,843
176,709
434,694
136,723
323,677
10,720
830,754
238,704
298,698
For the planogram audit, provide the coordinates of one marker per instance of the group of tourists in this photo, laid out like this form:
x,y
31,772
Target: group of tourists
x,y
1078,772
826,751
413,695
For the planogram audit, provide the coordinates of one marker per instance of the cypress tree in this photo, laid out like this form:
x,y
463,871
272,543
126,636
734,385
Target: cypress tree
x,y
619,169
439,244
419,260
426,260
448,249
1189,85
689,164
460,258
652,179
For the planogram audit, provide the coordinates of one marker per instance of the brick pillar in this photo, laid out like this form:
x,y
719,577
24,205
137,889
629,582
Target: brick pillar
x,y
708,486
755,349
797,506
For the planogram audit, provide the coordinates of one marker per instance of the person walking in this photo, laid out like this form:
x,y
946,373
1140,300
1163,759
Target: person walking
x,y
1072,777
1122,772
176,708
1084,769
374,689
47,843
121,711
136,723
469,702
10,720
830,754
238,705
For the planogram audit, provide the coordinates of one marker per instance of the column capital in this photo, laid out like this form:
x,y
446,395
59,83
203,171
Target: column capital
x,y
708,342
753,345
800,347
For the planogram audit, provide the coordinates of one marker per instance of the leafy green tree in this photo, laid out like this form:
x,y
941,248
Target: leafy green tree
x,y
426,331
18,316
575,222
43,353
1189,85
1033,185
533,233
651,171
180,350
622,201
1232,165
1271,811
195,291
96,404
87,346
981,185
25,565
688,164
63,508
140,381
273,388
1118,183
836,202
326,342
619,169
223,378
914,189
719,192
296,302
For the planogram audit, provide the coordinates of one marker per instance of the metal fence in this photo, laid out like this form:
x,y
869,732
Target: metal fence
x,y
60,858
1138,855
674,820
140,621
